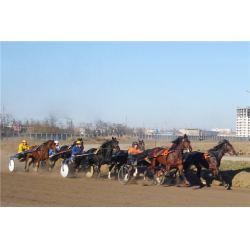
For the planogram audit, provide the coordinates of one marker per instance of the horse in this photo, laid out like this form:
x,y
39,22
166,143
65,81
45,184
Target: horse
x,y
121,158
170,158
101,156
210,160
41,153
64,153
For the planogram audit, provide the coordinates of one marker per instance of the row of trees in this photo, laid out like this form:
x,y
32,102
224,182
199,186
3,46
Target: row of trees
x,y
53,125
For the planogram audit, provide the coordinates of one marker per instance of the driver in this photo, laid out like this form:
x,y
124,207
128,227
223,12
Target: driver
x,y
23,146
132,151
77,150
57,146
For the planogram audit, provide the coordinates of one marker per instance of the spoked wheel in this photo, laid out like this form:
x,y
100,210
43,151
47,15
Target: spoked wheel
x,y
64,170
159,180
148,178
11,165
124,174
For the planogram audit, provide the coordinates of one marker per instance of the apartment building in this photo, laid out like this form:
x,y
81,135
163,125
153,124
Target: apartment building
x,y
243,122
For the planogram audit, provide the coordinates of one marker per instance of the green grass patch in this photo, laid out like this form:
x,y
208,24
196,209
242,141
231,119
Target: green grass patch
x,y
235,165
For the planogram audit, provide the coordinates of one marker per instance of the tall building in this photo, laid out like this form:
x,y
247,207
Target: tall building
x,y
243,122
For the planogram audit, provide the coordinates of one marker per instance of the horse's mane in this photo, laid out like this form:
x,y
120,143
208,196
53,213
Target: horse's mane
x,y
176,142
105,144
220,144
46,142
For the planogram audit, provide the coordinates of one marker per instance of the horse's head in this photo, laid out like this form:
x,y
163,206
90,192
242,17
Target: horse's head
x,y
182,143
186,143
50,144
141,145
115,146
228,147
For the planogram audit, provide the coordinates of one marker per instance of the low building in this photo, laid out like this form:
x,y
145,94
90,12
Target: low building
x,y
198,132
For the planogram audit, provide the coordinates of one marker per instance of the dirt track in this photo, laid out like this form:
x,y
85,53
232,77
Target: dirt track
x,y
46,189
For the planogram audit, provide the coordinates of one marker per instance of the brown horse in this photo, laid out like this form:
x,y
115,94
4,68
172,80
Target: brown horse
x,y
41,154
170,158
210,160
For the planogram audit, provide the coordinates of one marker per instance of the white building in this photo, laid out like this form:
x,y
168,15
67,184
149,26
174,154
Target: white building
x,y
222,130
243,122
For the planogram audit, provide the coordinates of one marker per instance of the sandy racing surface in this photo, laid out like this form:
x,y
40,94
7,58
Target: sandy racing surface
x,y
48,189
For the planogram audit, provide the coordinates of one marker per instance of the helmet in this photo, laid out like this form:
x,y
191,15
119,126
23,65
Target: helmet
x,y
135,143
24,141
78,142
56,142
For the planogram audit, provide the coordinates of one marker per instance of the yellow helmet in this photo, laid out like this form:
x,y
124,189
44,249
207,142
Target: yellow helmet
x,y
24,141
78,142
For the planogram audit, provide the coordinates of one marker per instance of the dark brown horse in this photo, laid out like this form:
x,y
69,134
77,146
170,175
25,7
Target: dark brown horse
x,y
64,153
41,154
210,160
102,155
170,158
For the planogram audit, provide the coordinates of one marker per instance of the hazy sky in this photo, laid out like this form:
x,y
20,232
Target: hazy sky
x,y
199,84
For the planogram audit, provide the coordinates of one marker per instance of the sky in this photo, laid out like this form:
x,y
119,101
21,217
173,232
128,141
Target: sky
x,y
146,84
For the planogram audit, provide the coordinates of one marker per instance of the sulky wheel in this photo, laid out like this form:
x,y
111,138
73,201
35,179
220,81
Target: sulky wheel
x,y
159,180
124,174
11,165
64,170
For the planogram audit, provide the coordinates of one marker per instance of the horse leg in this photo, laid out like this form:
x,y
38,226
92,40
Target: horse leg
x,y
198,173
167,170
152,164
136,172
98,171
32,161
217,173
110,169
180,168
52,166
223,183
25,166
38,164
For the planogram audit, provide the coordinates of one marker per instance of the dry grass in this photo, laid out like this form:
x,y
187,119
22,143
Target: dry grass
x,y
243,146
